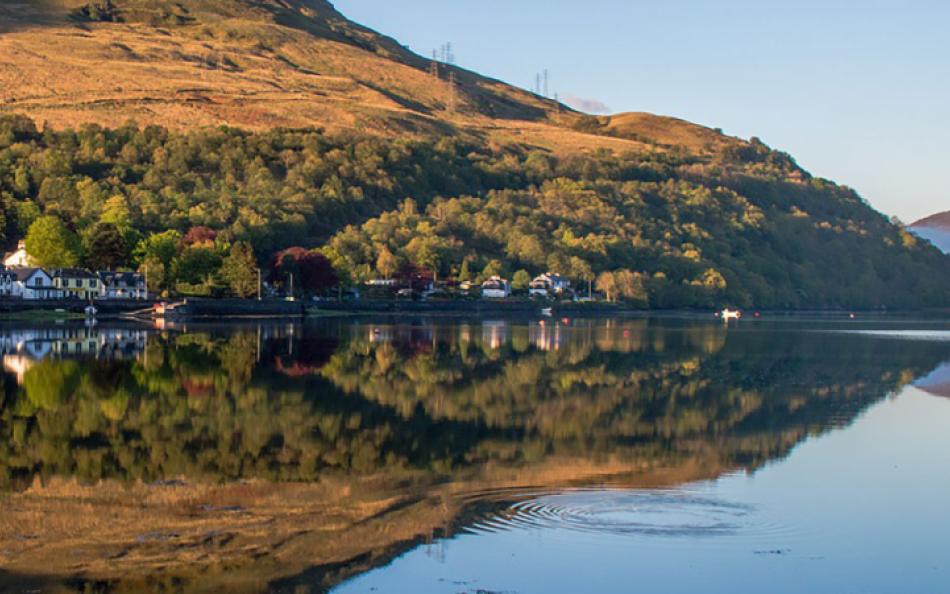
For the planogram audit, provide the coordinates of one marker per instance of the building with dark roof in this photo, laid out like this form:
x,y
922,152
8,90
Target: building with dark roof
x,y
77,283
122,285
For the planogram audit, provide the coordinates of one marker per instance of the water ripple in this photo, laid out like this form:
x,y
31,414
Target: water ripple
x,y
661,513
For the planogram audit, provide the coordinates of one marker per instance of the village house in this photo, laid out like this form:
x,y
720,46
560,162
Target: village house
x,y
122,285
34,283
7,278
18,258
496,288
548,284
76,283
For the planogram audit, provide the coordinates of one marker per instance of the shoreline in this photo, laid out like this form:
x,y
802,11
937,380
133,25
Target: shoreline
x,y
204,308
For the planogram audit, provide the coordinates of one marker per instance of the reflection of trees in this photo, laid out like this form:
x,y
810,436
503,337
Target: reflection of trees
x,y
220,407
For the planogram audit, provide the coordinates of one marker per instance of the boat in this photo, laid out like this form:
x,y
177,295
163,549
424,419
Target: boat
x,y
730,314
547,312
91,311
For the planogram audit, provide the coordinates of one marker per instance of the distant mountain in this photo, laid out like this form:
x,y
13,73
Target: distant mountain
x,y
935,228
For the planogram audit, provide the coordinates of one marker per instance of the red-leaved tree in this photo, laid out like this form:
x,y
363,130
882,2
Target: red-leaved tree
x,y
199,235
312,271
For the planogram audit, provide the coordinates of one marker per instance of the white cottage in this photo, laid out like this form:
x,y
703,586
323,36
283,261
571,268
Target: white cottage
x,y
34,283
18,258
548,284
496,288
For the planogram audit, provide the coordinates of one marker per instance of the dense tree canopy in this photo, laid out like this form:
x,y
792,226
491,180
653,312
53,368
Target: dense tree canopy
x,y
743,226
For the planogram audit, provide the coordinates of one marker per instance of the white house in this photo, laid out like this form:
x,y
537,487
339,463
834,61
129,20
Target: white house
x,y
18,258
496,288
548,284
122,285
34,283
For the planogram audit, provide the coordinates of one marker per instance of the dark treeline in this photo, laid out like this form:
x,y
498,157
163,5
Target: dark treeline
x,y
660,228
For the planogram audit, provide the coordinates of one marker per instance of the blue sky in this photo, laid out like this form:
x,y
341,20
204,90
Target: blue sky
x,y
858,92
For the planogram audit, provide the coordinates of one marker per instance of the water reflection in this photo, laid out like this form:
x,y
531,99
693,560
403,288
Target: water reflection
x,y
299,455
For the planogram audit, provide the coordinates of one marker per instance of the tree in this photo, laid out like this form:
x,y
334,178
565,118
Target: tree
x,y
607,284
465,272
521,280
196,265
52,244
387,264
311,270
493,268
200,235
105,247
580,269
27,212
239,270
156,273
631,286
163,246
158,252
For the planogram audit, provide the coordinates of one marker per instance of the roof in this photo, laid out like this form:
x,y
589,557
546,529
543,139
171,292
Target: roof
x,y
495,283
24,274
129,278
71,273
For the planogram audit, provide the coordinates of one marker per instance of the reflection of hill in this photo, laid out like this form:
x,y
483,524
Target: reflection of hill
x,y
357,441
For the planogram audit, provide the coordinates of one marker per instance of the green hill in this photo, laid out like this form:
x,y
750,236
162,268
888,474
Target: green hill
x,y
283,123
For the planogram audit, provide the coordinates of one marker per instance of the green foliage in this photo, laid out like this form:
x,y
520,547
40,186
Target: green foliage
x,y
197,265
52,244
105,247
743,227
50,383
239,270
521,280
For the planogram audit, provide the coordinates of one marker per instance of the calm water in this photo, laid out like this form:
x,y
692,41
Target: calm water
x,y
441,455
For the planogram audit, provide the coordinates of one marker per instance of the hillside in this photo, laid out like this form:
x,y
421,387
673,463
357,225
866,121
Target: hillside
x,y
256,65
936,229
282,123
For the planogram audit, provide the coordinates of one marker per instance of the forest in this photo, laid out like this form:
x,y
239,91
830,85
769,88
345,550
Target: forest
x,y
663,227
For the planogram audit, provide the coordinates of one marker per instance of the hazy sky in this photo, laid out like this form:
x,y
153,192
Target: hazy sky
x,y
858,92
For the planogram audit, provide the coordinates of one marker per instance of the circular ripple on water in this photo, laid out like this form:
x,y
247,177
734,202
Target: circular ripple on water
x,y
638,512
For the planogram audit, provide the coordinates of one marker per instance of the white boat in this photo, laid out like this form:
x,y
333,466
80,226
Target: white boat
x,y
547,312
91,311
730,314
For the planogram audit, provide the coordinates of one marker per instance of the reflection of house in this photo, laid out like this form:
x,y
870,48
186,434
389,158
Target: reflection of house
x,y
547,284
496,288
18,258
122,285
547,336
21,348
76,283
18,365
494,334
34,283
7,279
